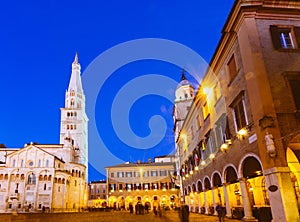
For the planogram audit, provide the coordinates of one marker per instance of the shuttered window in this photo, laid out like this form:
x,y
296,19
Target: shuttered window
x,y
284,37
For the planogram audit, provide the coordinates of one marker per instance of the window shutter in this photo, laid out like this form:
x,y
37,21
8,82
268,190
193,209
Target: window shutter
x,y
275,36
297,34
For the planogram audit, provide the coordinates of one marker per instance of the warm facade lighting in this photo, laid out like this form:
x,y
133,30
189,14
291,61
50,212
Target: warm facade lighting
x,y
224,147
196,168
191,172
242,132
203,163
212,156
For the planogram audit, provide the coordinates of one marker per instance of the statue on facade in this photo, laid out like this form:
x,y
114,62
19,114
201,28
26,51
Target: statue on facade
x,y
270,144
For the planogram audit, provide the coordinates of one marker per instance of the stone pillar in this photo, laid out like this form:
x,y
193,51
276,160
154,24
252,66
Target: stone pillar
x,y
214,199
205,203
227,201
199,203
246,201
189,202
194,205
282,195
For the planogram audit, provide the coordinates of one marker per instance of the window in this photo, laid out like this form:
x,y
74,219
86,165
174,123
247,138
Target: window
x,y
294,82
47,163
45,186
205,110
231,67
146,186
146,174
163,173
31,178
39,163
14,163
120,174
285,37
120,186
222,130
22,163
239,113
111,174
153,173
128,174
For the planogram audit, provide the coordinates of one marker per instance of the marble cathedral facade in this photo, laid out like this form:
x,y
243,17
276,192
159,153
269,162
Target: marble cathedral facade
x,y
50,177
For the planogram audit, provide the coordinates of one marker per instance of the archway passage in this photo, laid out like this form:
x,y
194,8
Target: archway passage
x,y
199,186
207,185
231,175
251,168
217,182
294,165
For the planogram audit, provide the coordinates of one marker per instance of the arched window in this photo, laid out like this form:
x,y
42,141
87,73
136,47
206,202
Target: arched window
x,y
31,178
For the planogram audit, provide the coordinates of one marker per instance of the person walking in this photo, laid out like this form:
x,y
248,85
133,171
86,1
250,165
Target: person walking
x,y
131,208
221,212
184,213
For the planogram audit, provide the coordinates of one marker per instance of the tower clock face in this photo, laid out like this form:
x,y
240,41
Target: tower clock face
x,y
2,156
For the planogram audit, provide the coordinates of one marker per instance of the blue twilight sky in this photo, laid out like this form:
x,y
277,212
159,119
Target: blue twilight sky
x,y
38,42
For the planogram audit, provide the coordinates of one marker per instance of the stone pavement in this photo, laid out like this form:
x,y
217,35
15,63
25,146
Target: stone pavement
x,y
113,216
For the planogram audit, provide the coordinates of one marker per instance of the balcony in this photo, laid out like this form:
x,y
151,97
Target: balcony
x,y
14,196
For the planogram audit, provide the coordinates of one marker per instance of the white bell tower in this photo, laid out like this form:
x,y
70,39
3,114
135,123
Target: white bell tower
x,y
74,128
184,96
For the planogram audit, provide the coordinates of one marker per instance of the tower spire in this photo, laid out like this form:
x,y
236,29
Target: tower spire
x,y
182,75
76,58
75,81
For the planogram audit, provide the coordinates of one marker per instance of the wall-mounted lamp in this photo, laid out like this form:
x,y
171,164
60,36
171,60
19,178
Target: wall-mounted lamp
x,y
225,146
212,156
242,133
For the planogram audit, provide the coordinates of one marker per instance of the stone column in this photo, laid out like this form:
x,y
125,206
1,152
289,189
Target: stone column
x,y
205,203
246,201
282,195
194,205
199,203
227,201
189,202
214,199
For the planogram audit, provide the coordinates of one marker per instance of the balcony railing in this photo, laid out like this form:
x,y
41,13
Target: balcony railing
x,y
14,196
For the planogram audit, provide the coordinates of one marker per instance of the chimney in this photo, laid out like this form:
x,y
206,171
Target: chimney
x,y
149,160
